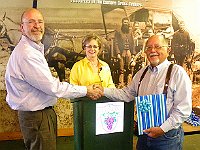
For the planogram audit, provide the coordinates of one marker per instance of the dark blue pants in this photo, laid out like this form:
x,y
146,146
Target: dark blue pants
x,y
39,129
172,140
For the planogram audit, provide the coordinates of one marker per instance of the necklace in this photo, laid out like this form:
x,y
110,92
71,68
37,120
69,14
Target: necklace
x,y
94,64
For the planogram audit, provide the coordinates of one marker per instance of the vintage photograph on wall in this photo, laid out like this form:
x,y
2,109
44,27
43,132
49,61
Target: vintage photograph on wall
x,y
123,27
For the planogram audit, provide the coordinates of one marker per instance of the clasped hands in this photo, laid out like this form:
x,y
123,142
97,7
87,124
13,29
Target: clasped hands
x,y
94,91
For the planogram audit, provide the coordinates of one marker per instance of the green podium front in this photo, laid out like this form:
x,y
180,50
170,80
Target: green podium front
x,y
85,125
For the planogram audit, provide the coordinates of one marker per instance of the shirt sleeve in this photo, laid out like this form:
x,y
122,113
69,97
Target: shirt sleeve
x,y
181,102
74,75
36,72
110,80
125,94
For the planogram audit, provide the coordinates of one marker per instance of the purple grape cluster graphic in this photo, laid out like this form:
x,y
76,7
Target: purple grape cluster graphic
x,y
110,119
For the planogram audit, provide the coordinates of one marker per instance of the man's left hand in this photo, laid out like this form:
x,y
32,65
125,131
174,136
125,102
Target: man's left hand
x,y
154,132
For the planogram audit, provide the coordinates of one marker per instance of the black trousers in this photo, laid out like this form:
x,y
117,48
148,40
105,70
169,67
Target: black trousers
x,y
39,129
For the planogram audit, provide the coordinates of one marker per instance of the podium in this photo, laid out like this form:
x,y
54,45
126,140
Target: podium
x,y
85,134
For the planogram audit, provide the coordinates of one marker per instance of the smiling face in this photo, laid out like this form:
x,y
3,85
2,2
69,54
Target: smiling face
x,y
157,49
32,25
92,49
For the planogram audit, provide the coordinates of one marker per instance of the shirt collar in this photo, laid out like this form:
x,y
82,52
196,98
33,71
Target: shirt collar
x,y
159,67
87,61
39,46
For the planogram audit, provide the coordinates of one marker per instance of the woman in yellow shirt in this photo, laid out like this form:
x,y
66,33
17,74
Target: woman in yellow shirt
x,y
91,70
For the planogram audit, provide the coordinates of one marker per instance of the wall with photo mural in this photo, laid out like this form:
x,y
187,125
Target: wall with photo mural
x,y
67,22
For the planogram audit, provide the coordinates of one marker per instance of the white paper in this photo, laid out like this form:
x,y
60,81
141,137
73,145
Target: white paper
x,y
109,117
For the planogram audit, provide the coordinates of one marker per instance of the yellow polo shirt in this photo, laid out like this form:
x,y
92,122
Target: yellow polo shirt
x,y
82,74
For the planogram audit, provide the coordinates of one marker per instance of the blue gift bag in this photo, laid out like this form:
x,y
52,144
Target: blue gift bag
x,y
151,111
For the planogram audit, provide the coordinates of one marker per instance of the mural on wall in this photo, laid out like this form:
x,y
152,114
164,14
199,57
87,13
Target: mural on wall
x,y
67,22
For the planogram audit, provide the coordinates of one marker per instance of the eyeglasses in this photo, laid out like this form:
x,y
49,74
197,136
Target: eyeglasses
x,y
92,46
156,47
33,22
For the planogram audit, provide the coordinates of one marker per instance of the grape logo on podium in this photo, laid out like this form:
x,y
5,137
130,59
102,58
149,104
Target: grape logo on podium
x,y
110,120
109,117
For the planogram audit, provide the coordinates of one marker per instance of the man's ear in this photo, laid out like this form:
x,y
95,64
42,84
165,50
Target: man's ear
x,y
21,27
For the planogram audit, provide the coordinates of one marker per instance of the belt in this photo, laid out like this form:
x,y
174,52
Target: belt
x,y
49,107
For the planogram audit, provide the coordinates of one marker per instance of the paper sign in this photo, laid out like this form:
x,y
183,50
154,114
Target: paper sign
x,y
109,117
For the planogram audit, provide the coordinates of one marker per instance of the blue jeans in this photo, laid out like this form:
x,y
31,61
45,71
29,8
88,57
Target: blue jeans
x,y
172,140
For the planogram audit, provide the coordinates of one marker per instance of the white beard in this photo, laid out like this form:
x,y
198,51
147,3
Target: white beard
x,y
155,62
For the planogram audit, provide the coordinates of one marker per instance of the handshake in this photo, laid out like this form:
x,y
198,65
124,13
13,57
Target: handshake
x,y
95,91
